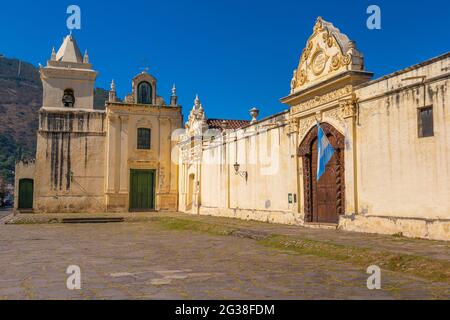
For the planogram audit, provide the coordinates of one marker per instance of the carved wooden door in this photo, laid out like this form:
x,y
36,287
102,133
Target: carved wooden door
x,y
325,191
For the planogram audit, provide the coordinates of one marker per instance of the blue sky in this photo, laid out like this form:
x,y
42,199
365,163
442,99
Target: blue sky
x,y
234,54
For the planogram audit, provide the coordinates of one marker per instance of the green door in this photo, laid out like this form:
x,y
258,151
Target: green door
x,y
142,190
26,187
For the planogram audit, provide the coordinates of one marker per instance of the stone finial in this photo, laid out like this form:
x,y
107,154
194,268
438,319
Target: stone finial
x,y
197,103
86,57
174,98
174,90
112,92
53,58
254,113
224,124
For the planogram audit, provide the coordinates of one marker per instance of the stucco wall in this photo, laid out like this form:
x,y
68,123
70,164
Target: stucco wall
x,y
122,154
400,174
70,162
267,154
54,91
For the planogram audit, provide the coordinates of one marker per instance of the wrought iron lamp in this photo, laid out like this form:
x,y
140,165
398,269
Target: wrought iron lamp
x,y
243,174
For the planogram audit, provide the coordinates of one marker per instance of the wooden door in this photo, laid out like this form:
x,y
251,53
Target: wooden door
x,y
26,189
142,190
324,191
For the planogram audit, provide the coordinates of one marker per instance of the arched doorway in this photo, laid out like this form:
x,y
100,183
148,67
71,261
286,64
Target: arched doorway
x,y
324,200
190,197
26,189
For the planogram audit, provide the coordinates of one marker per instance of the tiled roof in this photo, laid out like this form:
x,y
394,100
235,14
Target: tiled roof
x,y
231,124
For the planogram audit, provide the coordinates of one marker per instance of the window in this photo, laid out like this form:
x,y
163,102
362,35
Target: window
x,y
144,93
425,121
143,139
68,99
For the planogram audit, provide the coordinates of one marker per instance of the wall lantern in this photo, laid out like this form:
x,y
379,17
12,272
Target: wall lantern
x,y
243,174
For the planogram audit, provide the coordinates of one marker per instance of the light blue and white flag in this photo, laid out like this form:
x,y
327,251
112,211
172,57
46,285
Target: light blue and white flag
x,y
325,151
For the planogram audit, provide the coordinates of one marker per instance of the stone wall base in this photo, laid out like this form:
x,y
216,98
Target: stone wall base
x,y
69,204
281,217
408,227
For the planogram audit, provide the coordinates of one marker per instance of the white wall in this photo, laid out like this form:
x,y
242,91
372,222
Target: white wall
x,y
400,174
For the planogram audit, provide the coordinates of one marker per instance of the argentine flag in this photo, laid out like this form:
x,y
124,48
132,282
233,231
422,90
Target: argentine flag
x,y
325,151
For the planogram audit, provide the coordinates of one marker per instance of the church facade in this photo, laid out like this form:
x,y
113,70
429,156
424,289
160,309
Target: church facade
x,y
389,174
88,160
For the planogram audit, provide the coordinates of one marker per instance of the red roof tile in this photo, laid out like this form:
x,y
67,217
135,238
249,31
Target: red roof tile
x,y
231,124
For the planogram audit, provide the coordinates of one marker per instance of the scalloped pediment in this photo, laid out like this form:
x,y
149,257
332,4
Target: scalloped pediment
x,y
328,52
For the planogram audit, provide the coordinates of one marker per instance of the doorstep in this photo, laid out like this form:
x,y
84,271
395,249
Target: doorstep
x,y
320,225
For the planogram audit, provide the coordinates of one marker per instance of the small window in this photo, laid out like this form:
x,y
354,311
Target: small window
x,y
425,121
143,139
68,99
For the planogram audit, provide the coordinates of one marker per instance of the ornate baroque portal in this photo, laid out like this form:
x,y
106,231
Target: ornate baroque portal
x,y
323,86
324,199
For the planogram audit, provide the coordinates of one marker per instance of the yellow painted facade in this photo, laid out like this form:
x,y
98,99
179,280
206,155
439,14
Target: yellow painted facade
x,y
85,156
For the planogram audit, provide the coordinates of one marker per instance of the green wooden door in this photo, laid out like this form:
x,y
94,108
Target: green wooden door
x,y
142,190
26,188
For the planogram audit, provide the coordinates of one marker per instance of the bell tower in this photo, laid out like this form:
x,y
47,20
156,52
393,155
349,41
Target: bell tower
x,y
68,79
69,168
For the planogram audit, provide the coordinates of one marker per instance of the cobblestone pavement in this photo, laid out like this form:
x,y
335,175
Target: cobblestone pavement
x,y
145,261
4,212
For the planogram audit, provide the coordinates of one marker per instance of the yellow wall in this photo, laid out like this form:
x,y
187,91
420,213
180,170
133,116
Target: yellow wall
x,y
399,173
70,162
122,154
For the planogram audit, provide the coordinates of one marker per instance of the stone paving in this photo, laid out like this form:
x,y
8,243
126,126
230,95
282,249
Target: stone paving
x,y
419,247
4,212
142,260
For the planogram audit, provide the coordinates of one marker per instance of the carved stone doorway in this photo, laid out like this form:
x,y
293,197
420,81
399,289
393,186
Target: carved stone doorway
x,y
324,200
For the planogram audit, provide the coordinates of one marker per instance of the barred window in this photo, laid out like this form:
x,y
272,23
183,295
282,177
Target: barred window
x,y
144,139
425,121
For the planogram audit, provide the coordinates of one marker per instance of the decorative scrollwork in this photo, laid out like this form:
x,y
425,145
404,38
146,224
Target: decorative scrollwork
x,y
335,62
303,77
307,182
348,108
329,39
347,59
320,100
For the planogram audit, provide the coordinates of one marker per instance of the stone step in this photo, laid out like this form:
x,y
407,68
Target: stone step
x,y
25,210
92,220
